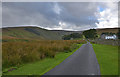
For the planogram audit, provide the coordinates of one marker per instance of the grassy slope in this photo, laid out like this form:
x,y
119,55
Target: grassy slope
x,y
113,30
39,33
30,32
107,57
34,33
41,67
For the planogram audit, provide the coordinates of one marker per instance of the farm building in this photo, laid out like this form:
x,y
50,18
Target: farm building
x,y
104,36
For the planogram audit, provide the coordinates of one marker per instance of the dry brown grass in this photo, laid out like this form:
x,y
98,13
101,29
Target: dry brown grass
x,y
112,30
19,52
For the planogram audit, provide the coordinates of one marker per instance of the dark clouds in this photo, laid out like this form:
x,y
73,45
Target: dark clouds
x,y
50,14
25,13
79,12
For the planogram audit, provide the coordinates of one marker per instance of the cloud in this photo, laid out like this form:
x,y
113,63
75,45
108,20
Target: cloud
x,y
118,14
0,15
59,15
108,18
56,8
20,14
78,13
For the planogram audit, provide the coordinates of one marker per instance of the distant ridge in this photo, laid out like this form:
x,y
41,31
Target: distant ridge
x,y
39,27
112,30
32,32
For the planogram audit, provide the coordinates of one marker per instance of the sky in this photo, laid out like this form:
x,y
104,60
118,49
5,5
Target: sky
x,y
75,16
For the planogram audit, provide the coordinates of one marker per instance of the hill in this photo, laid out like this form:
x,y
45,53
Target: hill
x,y
104,30
30,32
34,33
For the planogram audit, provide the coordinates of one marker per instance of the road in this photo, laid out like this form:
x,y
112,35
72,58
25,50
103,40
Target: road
x,y
81,62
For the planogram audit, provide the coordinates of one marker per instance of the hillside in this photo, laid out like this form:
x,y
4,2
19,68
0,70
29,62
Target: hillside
x,y
112,30
34,33
30,32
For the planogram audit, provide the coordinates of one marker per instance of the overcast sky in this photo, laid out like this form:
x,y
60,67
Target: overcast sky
x,y
60,15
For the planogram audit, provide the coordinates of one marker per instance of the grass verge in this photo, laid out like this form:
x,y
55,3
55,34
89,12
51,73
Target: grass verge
x,y
107,57
43,66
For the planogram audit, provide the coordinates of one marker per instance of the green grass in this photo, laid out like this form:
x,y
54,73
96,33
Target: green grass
x,y
107,57
41,67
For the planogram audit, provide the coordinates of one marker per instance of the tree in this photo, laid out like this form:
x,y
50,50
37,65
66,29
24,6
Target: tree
x,y
66,37
118,34
90,34
73,35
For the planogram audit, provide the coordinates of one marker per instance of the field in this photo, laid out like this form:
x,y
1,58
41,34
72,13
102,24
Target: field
x,y
17,53
43,66
107,57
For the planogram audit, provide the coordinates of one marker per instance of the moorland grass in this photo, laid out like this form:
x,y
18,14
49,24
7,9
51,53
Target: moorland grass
x,y
42,66
107,56
17,53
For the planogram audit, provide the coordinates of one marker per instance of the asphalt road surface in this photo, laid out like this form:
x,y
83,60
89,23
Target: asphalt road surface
x,y
81,62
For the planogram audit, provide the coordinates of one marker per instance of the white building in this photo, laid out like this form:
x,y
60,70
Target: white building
x,y
111,37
